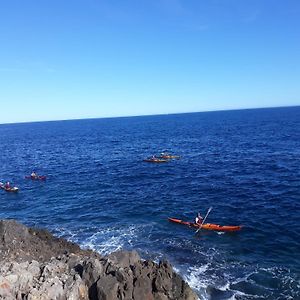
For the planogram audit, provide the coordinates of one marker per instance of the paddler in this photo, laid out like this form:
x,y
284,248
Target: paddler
x,y
198,219
33,175
7,185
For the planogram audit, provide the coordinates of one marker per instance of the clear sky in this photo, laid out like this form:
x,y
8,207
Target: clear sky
x,y
69,59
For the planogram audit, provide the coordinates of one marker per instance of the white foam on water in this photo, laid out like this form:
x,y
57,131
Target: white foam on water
x,y
104,240
224,287
196,279
111,239
220,233
241,279
65,233
202,278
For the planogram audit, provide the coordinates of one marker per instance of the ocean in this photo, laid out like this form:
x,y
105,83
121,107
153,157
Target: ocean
x,y
100,194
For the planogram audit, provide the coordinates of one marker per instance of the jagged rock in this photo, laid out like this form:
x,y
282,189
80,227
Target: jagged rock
x,y
124,258
34,268
77,290
37,266
21,243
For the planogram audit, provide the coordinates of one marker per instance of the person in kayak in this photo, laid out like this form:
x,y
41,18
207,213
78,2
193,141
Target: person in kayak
x,y
7,185
33,175
198,219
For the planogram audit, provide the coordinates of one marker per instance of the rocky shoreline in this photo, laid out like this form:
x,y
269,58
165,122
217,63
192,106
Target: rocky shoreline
x,y
35,265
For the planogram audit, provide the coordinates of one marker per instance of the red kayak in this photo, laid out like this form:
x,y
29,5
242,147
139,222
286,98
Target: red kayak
x,y
36,177
207,226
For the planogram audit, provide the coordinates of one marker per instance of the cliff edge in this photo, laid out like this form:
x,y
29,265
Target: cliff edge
x,y
35,265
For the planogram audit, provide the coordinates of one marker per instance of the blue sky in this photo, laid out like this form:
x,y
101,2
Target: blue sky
x,y
90,58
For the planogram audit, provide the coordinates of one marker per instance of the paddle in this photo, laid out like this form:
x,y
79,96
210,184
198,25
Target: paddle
x,y
209,210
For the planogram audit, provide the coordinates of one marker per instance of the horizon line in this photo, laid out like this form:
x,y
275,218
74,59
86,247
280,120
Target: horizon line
x,y
146,115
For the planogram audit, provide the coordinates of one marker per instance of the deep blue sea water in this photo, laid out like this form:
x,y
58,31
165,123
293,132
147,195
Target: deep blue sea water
x,y
99,192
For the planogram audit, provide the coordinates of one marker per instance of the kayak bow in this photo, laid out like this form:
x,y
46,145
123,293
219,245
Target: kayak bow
x,y
207,226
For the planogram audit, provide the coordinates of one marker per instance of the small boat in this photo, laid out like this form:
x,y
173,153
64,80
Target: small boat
x,y
11,189
207,226
155,160
36,177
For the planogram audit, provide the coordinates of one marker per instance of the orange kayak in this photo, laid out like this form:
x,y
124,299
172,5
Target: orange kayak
x,y
207,226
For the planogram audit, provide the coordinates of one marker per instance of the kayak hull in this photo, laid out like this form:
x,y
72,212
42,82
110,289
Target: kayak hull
x,y
36,178
156,160
207,226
